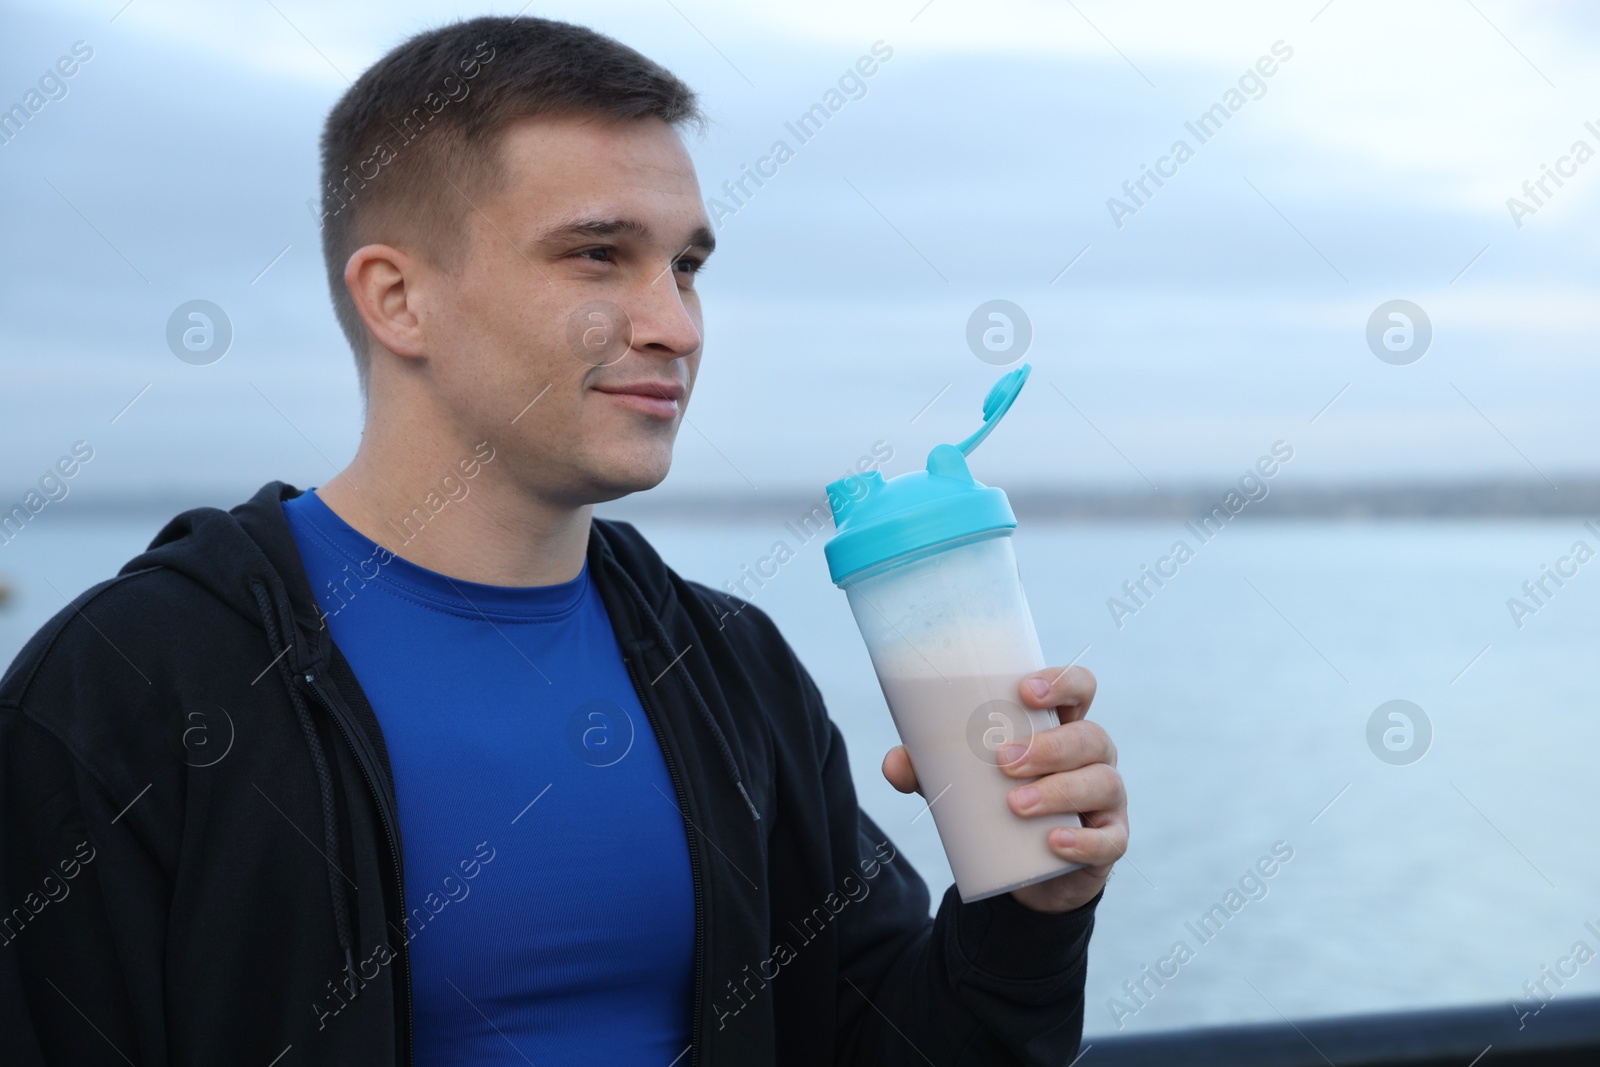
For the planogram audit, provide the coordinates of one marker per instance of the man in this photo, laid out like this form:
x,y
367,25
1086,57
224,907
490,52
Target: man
x,y
430,766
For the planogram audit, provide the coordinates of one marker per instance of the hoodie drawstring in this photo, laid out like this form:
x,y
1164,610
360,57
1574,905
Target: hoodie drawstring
x,y
729,764
319,761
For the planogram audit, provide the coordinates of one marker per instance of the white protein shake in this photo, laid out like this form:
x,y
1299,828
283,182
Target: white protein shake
x,y
951,639
969,796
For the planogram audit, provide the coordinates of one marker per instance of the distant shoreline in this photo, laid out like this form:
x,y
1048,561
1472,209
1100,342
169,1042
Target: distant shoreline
x,y
1461,500
1475,500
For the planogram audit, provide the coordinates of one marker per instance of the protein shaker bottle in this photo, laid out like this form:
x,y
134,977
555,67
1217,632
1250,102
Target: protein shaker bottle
x,y
927,563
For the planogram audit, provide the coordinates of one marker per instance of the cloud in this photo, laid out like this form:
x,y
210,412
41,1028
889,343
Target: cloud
x,y
977,167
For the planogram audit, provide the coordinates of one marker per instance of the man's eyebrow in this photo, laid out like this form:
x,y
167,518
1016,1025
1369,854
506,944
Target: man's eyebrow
x,y
702,238
611,227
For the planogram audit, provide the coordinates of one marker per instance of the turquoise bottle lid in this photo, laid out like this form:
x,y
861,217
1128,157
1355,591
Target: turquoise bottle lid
x,y
876,520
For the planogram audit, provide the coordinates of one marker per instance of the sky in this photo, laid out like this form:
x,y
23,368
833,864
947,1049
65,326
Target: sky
x,y
1177,332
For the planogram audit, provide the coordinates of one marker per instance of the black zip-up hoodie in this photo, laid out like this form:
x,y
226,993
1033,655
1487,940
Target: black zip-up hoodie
x,y
201,858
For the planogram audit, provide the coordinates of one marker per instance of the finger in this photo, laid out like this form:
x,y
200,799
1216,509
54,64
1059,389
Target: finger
x,y
1098,787
1098,843
898,770
1060,748
1070,690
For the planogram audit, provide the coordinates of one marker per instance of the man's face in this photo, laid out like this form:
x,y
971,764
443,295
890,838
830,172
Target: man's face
x,y
575,296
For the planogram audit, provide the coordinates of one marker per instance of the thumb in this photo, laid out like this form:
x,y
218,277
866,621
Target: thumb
x,y
898,770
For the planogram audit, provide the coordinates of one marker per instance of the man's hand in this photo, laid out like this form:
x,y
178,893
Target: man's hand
x,y
1076,764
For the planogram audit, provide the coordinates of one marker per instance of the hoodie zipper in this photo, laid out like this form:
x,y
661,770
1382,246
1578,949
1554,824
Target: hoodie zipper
x,y
694,863
389,837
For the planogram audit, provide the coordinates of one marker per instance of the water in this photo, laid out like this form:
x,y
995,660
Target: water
x,y
1239,696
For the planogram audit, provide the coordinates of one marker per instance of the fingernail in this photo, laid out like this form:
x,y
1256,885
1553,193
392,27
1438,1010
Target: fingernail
x,y
1039,686
1012,754
1064,838
1026,797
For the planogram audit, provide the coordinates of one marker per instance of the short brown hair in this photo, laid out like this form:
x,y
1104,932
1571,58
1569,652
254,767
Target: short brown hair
x,y
428,115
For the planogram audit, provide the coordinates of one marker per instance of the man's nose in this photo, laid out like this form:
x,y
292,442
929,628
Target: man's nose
x,y
661,322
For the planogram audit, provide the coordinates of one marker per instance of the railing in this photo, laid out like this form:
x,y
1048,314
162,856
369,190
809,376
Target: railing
x,y
1566,1032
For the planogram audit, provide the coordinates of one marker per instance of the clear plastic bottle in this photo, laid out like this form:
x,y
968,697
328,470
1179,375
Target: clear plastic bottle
x,y
926,561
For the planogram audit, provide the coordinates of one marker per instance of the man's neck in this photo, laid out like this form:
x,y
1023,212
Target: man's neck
x,y
493,533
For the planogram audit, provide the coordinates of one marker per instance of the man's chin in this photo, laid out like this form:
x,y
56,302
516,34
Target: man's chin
x,y
615,484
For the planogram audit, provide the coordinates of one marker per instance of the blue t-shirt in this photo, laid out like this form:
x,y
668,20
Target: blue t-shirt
x,y
551,905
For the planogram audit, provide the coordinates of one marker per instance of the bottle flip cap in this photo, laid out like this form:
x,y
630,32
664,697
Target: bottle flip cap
x,y
877,520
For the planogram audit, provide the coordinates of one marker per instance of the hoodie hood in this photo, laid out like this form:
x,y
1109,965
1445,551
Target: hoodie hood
x,y
229,552
225,552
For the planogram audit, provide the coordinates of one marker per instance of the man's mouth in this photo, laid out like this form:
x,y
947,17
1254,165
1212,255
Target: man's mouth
x,y
659,398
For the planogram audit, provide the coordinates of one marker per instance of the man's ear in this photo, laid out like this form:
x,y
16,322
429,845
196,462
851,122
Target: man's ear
x,y
379,278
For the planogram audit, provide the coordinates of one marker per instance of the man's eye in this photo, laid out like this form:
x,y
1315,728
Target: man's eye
x,y
690,265
600,255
